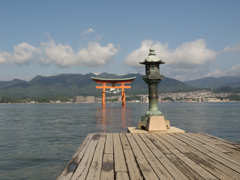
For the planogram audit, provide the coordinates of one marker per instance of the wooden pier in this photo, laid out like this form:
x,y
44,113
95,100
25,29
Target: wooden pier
x,y
154,156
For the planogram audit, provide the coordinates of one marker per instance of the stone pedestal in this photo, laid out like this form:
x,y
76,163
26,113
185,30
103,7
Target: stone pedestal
x,y
142,125
170,130
156,123
168,124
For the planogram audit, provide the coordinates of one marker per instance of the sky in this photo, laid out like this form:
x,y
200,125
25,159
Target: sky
x,y
195,39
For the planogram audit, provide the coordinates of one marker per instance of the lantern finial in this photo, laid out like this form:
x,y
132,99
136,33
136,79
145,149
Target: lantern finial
x,y
152,51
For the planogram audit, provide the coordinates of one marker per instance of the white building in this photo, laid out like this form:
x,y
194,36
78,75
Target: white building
x,y
90,99
78,99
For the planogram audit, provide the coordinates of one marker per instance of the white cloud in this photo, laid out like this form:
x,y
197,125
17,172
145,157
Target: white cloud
x,y
187,55
188,61
61,55
184,74
234,71
23,53
232,48
93,55
4,56
90,30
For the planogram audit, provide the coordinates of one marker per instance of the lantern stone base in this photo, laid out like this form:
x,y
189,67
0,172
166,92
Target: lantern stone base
x,y
172,129
154,123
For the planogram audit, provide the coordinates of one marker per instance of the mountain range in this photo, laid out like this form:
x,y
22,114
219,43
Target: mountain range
x,y
215,83
78,84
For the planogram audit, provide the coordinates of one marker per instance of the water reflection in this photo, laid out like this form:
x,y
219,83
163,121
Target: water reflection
x,y
110,118
123,117
37,140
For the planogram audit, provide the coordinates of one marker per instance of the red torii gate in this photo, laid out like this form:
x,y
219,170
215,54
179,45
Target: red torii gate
x,y
105,81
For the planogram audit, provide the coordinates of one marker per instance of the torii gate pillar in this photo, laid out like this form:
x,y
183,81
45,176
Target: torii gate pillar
x,y
123,96
103,95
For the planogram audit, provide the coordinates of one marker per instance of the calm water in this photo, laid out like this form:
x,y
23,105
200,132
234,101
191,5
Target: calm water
x,y
37,140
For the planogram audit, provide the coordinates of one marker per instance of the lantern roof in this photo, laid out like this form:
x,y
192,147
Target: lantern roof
x,y
152,57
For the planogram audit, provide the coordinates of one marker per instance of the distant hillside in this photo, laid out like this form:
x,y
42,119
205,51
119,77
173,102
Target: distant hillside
x,y
210,82
78,84
4,84
166,85
227,89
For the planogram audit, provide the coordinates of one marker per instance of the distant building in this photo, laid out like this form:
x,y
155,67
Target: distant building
x,y
78,99
90,99
58,101
213,100
205,100
145,99
98,99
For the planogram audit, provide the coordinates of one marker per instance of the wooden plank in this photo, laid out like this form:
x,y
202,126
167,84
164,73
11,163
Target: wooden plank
x,y
216,164
213,147
133,170
159,169
145,168
157,143
234,153
216,172
76,158
168,138
122,176
107,171
214,140
201,171
205,174
218,148
154,156
225,162
222,155
177,143
198,160
172,169
82,169
207,142
219,154
95,168
109,144
211,161
187,171
118,154
165,143
191,142
196,141
217,138
125,143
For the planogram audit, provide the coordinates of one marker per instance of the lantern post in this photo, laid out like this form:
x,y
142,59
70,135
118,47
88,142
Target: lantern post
x,y
153,119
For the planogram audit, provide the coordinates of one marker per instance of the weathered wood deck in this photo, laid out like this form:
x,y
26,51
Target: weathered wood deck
x,y
154,156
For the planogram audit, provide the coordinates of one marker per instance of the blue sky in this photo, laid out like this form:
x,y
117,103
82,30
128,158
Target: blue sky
x,y
196,39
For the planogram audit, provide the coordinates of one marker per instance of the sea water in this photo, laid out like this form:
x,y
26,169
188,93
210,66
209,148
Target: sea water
x,y
37,140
